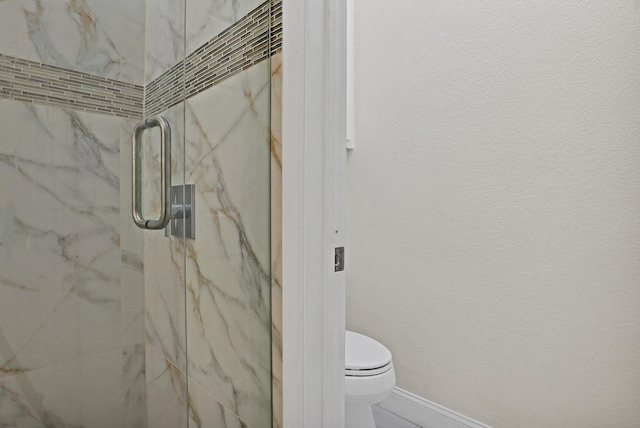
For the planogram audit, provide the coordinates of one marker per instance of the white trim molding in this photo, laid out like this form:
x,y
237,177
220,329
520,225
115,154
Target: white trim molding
x,y
313,203
425,413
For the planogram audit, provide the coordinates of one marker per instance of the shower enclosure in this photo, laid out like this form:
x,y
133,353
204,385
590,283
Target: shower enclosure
x,y
104,323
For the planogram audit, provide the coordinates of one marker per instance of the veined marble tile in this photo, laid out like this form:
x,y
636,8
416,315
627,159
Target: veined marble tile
x,y
164,257
205,411
94,36
134,390
165,296
276,237
59,248
165,36
167,403
131,243
133,297
207,19
131,250
228,264
15,408
227,155
86,392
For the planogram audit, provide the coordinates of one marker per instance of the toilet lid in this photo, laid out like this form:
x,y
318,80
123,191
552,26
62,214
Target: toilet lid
x,y
365,356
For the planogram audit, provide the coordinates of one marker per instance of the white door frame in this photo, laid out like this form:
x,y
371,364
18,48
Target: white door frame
x,y
314,163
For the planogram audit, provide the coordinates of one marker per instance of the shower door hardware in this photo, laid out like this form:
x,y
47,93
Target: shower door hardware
x,y
338,261
183,212
170,208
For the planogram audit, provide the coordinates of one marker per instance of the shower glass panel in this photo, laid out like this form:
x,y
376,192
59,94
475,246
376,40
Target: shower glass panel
x,y
71,265
164,256
227,156
102,323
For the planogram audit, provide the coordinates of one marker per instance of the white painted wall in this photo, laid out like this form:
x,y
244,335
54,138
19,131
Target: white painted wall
x,y
494,205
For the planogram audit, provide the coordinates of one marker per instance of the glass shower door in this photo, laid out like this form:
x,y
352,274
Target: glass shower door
x,y
164,253
227,156
209,339
72,325
103,323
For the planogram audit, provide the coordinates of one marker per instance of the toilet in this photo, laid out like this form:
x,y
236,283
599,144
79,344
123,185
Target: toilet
x,y
369,378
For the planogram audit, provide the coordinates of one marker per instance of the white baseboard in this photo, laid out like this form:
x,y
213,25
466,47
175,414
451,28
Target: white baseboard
x,y
425,413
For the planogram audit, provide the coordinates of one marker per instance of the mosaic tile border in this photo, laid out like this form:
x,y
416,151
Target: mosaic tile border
x,y
34,82
239,47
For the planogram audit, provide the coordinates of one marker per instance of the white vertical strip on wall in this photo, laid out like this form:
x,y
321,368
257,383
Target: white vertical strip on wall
x,y
314,70
351,138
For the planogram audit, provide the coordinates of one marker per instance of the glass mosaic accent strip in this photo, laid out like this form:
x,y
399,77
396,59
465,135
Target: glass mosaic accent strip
x,y
237,48
276,26
34,82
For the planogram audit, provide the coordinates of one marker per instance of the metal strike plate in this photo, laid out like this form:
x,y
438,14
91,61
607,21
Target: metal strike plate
x,y
183,212
339,259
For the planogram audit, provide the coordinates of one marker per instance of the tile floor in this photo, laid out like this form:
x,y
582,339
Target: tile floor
x,y
386,419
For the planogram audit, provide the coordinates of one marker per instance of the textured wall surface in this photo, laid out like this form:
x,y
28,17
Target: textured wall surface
x,y
494,205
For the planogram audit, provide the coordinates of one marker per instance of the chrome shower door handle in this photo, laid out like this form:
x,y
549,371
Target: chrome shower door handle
x,y
165,173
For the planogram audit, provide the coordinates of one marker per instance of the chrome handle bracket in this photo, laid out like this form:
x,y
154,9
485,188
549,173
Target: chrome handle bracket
x,y
183,212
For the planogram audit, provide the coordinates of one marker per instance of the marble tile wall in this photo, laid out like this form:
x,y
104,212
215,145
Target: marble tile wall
x,y
164,257
99,391
71,281
276,237
97,271
105,38
70,354
236,48
165,40
59,181
132,317
205,411
207,19
166,392
228,265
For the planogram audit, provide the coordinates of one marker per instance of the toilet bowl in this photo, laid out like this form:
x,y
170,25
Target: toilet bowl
x,y
369,378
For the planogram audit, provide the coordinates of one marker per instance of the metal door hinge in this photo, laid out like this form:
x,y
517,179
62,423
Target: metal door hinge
x,y
339,259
